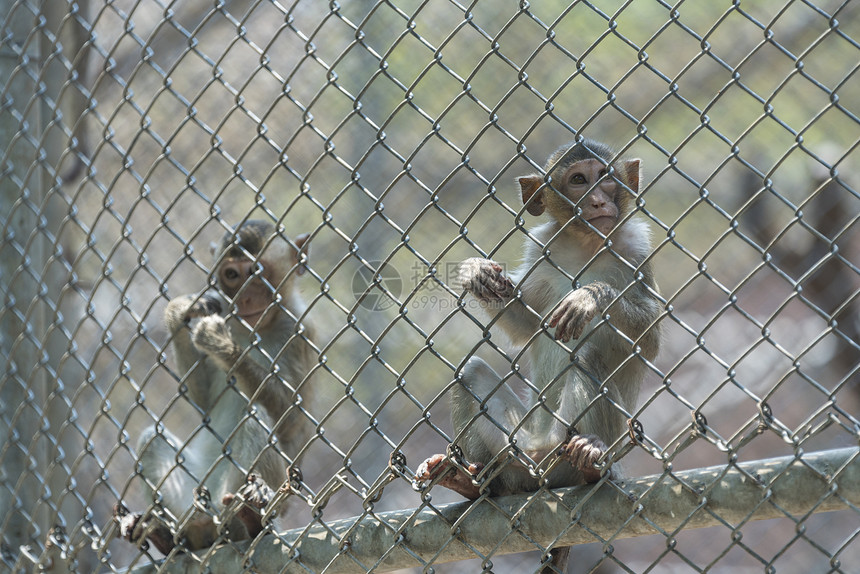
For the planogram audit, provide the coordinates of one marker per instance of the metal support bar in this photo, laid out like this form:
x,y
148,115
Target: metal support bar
x,y
771,488
24,313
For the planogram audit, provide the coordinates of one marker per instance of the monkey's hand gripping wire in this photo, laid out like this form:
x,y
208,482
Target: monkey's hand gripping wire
x,y
452,471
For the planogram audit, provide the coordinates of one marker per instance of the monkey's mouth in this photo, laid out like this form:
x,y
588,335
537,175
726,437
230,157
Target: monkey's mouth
x,y
604,223
252,318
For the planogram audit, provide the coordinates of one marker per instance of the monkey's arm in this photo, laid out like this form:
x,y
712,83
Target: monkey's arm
x,y
212,336
487,282
193,368
632,312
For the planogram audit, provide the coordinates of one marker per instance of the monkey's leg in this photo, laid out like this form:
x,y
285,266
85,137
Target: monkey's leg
x,y
483,411
253,496
583,451
172,472
212,337
481,429
156,456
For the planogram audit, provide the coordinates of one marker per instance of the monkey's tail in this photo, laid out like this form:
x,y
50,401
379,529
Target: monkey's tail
x,y
558,563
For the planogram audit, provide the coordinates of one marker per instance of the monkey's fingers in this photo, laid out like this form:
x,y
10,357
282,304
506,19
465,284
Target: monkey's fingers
x,y
451,476
462,484
557,321
492,287
574,312
484,278
126,521
254,496
188,307
583,452
161,537
207,304
212,336
431,468
568,323
489,292
499,285
141,532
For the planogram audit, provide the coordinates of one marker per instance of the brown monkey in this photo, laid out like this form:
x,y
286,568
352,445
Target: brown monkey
x,y
585,274
256,269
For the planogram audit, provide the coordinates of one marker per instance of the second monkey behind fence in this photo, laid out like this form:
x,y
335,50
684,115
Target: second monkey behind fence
x,y
585,273
232,454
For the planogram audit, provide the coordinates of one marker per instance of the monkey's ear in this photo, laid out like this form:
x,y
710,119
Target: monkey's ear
x,y
631,171
303,252
532,198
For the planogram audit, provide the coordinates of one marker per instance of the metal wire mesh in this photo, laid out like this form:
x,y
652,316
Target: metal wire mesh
x,y
136,132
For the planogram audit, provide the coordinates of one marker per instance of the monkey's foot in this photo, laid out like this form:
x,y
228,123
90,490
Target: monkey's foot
x,y
140,532
254,496
452,476
583,451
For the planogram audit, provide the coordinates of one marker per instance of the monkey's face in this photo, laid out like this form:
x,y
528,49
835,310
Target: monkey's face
x,y
249,283
583,195
585,188
256,270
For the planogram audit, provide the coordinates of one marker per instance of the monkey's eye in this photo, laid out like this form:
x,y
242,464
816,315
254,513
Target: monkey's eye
x,y
602,173
578,179
231,274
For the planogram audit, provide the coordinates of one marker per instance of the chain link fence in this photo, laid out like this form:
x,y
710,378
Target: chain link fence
x,y
135,133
